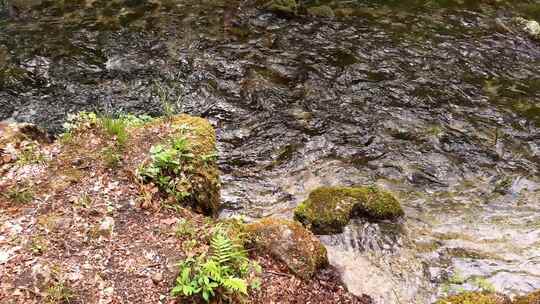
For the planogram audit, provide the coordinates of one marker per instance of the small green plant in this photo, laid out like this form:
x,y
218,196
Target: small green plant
x,y
131,120
483,284
30,155
111,157
166,165
84,200
38,245
115,127
165,95
185,229
20,194
456,278
210,158
59,293
189,245
226,273
80,120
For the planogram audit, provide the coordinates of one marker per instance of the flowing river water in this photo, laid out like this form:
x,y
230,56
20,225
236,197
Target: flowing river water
x,y
438,101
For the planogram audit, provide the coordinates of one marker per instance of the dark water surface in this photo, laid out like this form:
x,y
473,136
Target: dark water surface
x,y
436,100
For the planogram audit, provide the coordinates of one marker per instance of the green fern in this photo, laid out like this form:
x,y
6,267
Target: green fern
x,y
223,273
235,284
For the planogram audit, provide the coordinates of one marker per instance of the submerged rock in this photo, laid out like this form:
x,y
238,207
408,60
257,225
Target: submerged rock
x,y
531,27
475,298
532,298
328,209
290,243
283,6
321,11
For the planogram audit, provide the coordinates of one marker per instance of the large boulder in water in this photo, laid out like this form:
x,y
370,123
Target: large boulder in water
x,y
531,27
476,298
290,243
328,209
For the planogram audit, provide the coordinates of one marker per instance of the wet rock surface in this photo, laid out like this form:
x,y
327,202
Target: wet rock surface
x,y
439,104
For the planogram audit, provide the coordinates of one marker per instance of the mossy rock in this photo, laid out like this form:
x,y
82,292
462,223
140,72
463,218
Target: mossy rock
x,y
282,6
475,298
290,243
328,209
321,11
532,298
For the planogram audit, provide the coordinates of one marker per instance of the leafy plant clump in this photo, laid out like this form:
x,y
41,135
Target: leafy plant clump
x,y
226,273
116,128
167,163
19,194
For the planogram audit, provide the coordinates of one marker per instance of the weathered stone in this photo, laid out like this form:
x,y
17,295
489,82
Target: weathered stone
x,y
290,243
106,227
157,277
531,27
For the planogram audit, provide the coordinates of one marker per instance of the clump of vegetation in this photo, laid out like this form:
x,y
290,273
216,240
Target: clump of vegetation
x,y
185,228
328,209
225,273
84,201
81,120
165,95
116,128
30,155
59,293
182,166
19,194
111,157
166,166
38,245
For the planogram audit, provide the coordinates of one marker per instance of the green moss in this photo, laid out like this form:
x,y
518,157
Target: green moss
x,y
328,209
321,11
475,298
284,6
532,298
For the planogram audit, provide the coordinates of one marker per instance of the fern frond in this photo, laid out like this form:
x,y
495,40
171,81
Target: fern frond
x,y
235,285
222,248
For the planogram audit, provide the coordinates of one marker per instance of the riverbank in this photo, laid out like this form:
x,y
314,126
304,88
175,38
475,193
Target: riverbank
x,y
80,225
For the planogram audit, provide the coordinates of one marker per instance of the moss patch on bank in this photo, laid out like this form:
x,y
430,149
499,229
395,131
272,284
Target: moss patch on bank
x,y
475,298
328,209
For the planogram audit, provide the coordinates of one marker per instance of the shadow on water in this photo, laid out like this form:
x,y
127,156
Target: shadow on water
x,y
436,100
